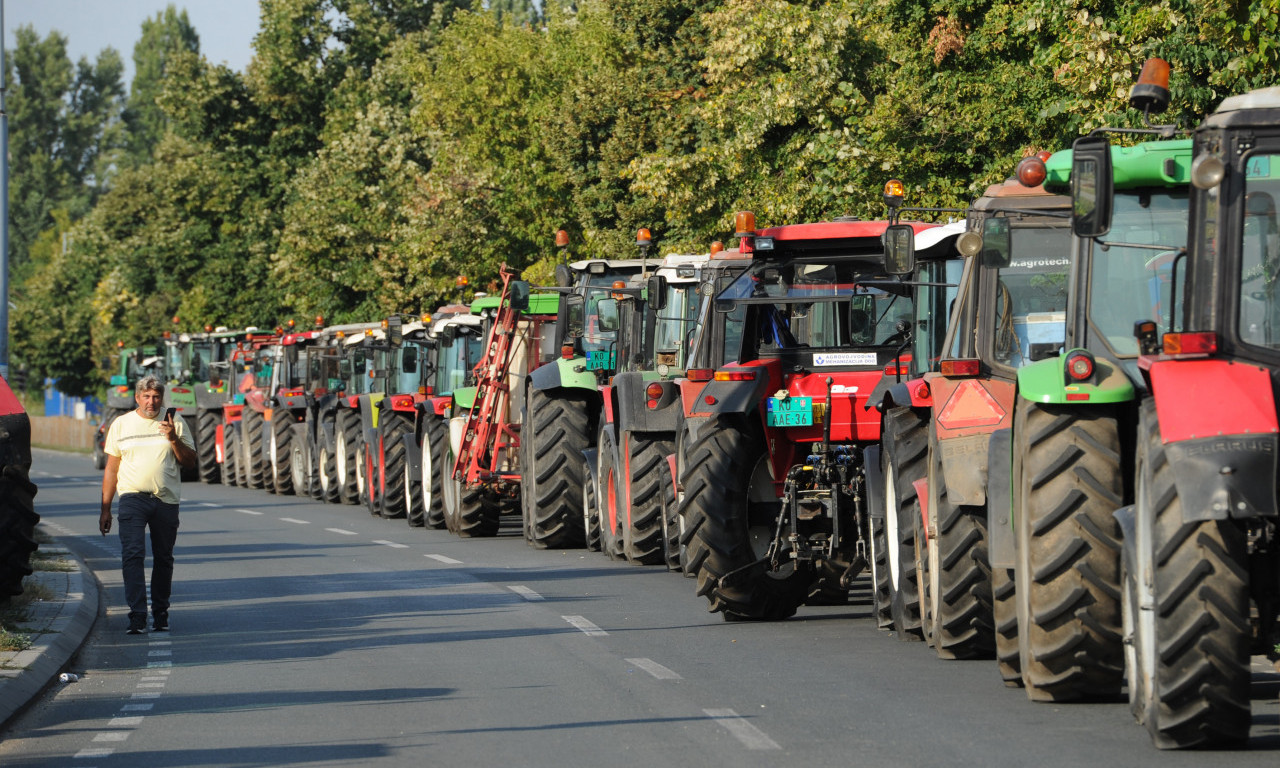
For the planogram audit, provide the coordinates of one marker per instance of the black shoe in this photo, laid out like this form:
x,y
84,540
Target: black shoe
x,y
161,623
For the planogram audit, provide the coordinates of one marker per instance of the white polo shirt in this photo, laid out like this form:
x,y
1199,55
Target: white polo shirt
x,y
147,463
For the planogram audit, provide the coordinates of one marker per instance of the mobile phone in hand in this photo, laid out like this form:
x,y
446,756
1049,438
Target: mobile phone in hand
x,y
168,414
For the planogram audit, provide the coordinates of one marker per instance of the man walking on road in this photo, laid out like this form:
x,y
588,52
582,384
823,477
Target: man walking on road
x,y
144,452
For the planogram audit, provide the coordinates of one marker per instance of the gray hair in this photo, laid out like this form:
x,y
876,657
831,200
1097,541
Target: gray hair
x,y
150,384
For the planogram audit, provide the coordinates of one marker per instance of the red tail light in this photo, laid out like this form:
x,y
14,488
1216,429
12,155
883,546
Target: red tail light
x,y
893,369
736,375
653,391
954,368
1190,344
1079,366
402,401
699,374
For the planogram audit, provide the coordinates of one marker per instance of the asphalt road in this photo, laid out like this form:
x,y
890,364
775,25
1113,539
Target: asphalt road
x,y
312,634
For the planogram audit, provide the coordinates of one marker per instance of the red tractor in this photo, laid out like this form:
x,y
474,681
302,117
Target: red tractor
x,y
241,435
772,466
18,516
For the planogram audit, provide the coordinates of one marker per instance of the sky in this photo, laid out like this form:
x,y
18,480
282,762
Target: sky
x,y
226,27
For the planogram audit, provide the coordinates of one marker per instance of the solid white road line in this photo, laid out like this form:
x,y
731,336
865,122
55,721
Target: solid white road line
x,y
526,593
654,668
444,559
587,627
342,531
750,736
392,544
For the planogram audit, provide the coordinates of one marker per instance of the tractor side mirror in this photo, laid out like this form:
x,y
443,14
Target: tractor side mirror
x,y
1092,186
519,296
900,249
575,304
657,292
607,312
395,330
996,248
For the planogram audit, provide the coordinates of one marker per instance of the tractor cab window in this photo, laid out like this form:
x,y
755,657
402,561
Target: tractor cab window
x,y
1030,315
173,358
1259,322
263,367
201,355
674,325
1131,277
456,356
594,336
929,326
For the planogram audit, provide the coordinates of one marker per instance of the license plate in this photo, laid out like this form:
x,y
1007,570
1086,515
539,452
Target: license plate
x,y
789,412
599,361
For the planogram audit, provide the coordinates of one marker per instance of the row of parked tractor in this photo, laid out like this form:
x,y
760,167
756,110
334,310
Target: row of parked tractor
x,y
1045,432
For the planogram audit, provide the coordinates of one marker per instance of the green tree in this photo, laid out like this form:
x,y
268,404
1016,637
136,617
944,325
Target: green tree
x,y
163,37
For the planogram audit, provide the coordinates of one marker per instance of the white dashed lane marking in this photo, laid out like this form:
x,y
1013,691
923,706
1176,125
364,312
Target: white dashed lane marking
x,y
209,504
125,722
444,559
392,544
93,752
295,521
249,511
342,531
526,593
750,736
586,626
112,736
654,668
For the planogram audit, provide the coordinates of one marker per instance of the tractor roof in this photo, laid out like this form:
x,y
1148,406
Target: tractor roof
x,y
1148,164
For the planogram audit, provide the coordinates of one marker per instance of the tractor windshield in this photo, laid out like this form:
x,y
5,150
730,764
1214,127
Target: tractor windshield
x,y
202,353
1029,322
593,338
456,355
821,304
1132,279
1259,322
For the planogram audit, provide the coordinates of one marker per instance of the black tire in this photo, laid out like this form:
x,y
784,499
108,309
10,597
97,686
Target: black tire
x,y
415,514
1192,650
207,445
642,533
727,475
251,447
346,439
668,511
692,551
608,499
280,452
1068,482
903,460
330,486
468,513
18,520
109,415
392,428
590,511
435,472
881,599
1005,613
556,430
315,438
963,626
300,466
230,455
367,478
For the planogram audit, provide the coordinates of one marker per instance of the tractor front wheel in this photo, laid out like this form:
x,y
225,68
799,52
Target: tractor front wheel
x,y
435,469
281,453
346,437
251,446
206,445
392,429
557,429
903,458
646,463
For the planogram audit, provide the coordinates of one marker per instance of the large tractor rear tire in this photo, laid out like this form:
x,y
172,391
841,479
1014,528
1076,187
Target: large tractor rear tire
x,y
280,454
959,572
608,499
881,598
692,550
1067,484
467,511
18,520
230,470
251,445
904,459
646,463
730,487
669,513
415,513
435,472
393,427
207,445
557,429
347,438
1190,678
590,511
1005,614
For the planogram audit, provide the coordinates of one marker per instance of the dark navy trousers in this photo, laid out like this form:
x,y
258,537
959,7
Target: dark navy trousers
x,y
139,511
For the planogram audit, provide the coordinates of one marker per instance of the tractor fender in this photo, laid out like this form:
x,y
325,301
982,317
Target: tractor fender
x,y
964,468
633,411
875,482
457,428
570,372
1128,523
886,396
732,397
1000,535
412,454
589,456
1045,381
464,398
1223,458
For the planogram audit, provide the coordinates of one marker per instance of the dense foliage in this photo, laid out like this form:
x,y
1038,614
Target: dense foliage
x,y
376,149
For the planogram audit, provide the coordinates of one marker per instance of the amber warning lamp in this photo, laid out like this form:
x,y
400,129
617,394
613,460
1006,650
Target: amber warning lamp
x,y
461,281
1031,171
1151,93
894,193
562,239
716,247
744,224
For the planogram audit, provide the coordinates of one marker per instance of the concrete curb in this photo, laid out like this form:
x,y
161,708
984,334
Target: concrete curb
x,y
69,627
